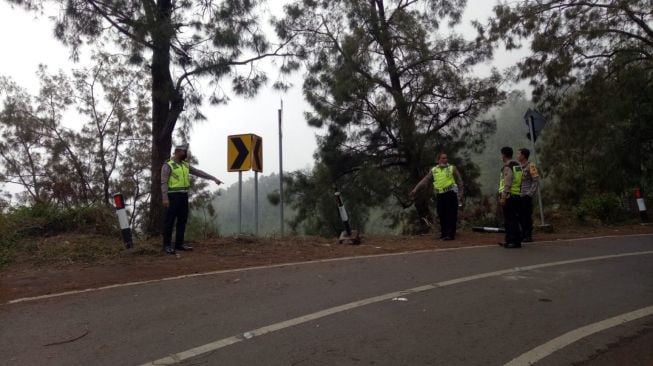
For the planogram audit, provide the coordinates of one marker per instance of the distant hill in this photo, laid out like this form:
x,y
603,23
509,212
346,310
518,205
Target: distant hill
x,y
226,205
511,131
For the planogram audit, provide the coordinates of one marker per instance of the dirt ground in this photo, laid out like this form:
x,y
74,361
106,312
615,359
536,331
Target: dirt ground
x,y
26,278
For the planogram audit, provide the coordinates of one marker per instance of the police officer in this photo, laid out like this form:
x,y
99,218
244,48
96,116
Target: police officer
x,y
529,183
509,197
448,185
175,184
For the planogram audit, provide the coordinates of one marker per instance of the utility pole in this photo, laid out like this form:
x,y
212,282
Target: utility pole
x,y
281,223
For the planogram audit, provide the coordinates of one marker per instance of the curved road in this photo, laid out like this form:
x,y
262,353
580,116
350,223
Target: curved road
x,y
585,302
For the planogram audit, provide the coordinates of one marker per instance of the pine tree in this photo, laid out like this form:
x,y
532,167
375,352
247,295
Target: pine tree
x,y
391,87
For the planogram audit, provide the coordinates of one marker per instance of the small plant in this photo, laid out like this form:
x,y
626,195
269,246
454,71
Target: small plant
x,y
604,207
482,212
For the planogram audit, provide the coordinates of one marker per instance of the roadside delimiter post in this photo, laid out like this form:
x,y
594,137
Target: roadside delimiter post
x,y
125,230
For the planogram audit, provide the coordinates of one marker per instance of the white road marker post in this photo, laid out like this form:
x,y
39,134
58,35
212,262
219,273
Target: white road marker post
x,y
348,236
641,205
125,230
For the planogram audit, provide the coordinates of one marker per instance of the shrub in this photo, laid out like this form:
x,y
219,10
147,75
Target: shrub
x,y
199,228
21,228
482,212
43,220
605,207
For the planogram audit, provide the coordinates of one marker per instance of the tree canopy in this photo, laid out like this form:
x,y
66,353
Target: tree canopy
x,y
603,139
64,167
390,86
180,41
571,40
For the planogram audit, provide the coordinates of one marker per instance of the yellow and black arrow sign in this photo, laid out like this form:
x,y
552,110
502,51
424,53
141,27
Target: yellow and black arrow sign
x,y
257,155
244,152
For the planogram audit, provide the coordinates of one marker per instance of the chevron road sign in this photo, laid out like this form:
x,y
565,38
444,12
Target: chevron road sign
x,y
257,154
244,152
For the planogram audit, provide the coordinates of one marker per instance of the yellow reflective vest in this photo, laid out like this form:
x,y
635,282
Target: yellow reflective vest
x,y
517,174
179,180
443,179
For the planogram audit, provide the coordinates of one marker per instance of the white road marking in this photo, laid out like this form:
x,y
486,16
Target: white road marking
x,y
575,335
213,346
136,283
236,270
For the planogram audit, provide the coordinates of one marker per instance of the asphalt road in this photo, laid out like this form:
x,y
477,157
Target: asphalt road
x,y
585,302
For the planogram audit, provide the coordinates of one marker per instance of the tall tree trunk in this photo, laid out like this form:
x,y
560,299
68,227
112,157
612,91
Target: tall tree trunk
x,y
406,123
161,146
167,105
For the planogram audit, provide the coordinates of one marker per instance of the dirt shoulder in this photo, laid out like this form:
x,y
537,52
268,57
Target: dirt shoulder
x,y
62,272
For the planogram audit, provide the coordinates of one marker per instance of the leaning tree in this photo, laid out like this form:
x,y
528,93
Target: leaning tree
x,y
181,41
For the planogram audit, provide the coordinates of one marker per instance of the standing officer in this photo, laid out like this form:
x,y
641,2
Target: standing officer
x,y
529,183
509,192
175,184
444,178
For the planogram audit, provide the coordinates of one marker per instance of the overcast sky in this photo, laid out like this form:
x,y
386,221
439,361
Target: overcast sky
x,y
27,41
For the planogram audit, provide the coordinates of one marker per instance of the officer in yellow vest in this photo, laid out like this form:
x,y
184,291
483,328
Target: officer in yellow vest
x,y
448,185
175,184
509,192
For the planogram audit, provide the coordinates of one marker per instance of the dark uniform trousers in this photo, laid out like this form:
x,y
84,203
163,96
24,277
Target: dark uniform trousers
x,y
178,211
511,219
526,216
447,207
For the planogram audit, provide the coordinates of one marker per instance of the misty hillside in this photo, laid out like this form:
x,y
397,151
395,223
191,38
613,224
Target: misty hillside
x,y
511,131
226,205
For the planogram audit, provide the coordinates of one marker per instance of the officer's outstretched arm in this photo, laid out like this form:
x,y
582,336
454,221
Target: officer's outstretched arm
x,y
428,178
459,182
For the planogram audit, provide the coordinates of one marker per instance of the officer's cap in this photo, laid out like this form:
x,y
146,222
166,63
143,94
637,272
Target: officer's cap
x,y
182,147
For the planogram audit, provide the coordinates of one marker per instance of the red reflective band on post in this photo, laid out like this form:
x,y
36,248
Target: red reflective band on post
x,y
638,193
117,199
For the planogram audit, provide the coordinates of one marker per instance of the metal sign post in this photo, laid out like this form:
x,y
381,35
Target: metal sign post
x,y
256,203
535,122
257,167
240,202
281,223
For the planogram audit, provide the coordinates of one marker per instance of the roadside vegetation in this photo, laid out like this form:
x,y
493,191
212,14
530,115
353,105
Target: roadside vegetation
x,y
388,84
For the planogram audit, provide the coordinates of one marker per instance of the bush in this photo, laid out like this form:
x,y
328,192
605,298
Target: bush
x,y
200,228
42,220
21,226
605,207
482,212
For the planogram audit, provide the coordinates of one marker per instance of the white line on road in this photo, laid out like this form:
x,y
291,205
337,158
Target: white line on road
x,y
568,338
136,283
213,346
235,270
